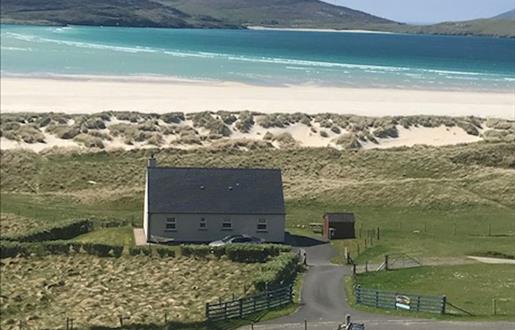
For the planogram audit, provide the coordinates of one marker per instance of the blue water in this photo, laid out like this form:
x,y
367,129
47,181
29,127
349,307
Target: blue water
x,y
263,57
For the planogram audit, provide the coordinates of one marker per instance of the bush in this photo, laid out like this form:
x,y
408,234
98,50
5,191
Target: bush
x,y
57,247
277,272
250,253
386,132
173,117
117,251
136,251
11,249
59,231
165,252
200,251
336,129
245,122
324,134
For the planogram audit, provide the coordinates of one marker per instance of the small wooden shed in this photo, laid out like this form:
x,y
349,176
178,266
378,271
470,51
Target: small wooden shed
x,y
339,225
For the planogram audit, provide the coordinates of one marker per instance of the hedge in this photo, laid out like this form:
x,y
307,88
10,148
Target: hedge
x,y
277,272
136,251
59,231
9,249
248,253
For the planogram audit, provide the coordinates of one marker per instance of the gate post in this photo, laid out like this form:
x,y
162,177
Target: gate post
x,y
444,303
241,308
385,262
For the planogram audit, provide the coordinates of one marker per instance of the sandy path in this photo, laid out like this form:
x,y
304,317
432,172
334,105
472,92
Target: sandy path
x,y
94,94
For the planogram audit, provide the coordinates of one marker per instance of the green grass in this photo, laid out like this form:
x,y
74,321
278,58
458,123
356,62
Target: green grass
x,y
116,236
469,287
416,231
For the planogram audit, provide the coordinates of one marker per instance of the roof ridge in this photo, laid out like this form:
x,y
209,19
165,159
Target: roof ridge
x,y
215,168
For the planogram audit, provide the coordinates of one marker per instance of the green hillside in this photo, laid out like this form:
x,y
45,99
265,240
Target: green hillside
x,y
230,14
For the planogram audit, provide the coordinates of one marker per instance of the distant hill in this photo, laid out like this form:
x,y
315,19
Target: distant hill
x,y
188,13
507,15
229,14
480,27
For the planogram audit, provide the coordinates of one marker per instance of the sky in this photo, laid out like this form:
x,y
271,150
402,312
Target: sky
x,y
429,11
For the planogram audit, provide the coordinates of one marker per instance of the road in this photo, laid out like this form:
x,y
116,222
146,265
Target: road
x,y
324,305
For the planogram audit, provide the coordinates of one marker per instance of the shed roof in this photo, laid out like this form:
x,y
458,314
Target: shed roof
x,y
340,217
215,190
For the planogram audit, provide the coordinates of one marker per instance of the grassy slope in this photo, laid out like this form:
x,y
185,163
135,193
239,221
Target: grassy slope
x,y
401,191
470,287
227,14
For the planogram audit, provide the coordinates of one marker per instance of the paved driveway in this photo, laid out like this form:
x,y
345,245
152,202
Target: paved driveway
x,y
324,306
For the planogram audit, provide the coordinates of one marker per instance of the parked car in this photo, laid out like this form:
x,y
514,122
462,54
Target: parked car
x,y
237,239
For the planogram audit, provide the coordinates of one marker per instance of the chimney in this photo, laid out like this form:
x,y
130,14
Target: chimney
x,y
152,162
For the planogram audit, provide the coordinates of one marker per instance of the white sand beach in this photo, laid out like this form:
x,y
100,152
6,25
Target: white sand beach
x,y
149,94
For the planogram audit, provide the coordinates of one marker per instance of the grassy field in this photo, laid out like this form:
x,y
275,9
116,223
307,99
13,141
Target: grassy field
x,y
429,202
435,202
95,291
469,287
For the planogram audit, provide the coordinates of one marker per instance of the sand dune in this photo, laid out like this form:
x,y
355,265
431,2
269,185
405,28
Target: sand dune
x,y
243,130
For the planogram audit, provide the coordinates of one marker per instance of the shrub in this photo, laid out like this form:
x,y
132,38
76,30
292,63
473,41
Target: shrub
x,y
285,140
173,117
250,253
64,131
348,141
336,129
386,132
59,231
136,251
277,272
268,136
57,247
200,251
468,127
324,134
30,134
11,249
245,122
94,123
165,252
89,141
117,250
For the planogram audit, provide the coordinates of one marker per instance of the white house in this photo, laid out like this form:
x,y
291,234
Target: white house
x,y
207,204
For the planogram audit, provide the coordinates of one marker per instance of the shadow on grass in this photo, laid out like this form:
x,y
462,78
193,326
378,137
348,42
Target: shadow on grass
x,y
302,241
202,325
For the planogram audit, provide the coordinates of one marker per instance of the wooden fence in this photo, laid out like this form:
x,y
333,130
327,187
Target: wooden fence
x,y
239,308
400,301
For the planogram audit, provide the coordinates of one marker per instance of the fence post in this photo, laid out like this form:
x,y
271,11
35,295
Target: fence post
x,y
207,311
166,319
377,298
444,303
378,235
366,266
385,262
418,303
225,311
357,292
241,307
305,324
354,270
494,306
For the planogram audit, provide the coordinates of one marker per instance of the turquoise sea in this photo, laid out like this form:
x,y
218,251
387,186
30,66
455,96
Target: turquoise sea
x,y
263,57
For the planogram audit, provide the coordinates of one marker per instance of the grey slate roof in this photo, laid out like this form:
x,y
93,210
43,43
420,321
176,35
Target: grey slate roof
x,y
215,190
340,217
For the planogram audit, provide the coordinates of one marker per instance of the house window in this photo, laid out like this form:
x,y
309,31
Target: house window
x,y
227,224
262,225
171,224
202,224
